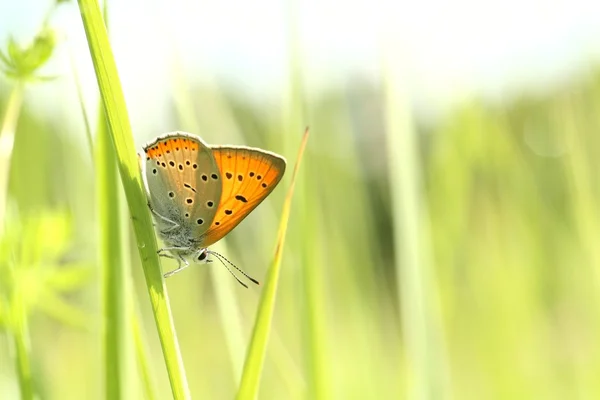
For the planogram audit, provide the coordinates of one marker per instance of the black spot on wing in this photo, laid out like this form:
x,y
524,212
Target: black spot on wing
x,y
189,187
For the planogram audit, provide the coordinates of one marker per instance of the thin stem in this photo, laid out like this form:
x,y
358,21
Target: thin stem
x,y
113,99
113,269
255,356
7,140
141,351
21,342
86,120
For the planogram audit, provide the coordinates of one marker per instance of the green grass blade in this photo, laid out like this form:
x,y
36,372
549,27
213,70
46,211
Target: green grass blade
x,y
20,334
86,120
7,138
424,351
118,121
226,296
21,340
260,335
142,353
114,321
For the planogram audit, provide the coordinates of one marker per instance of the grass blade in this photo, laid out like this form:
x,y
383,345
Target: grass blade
x,y
142,354
260,335
22,349
114,321
118,121
417,293
7,139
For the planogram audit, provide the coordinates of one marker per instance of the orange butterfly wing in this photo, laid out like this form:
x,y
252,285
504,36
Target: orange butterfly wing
x,y
248,176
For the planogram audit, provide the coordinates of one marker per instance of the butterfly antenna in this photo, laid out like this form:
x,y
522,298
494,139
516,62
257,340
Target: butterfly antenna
x,y
222,257
231,272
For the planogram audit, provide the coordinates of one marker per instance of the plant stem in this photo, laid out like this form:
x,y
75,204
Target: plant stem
x,y
260,335
414,272
21,341
120,129
7,140
114,322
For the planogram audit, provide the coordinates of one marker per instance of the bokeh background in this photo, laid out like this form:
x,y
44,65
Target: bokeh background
x,y
443,241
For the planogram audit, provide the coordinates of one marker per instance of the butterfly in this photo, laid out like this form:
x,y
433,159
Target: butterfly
x,y
198,193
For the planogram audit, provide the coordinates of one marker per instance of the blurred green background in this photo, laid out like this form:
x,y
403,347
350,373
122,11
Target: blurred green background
x,y
441,243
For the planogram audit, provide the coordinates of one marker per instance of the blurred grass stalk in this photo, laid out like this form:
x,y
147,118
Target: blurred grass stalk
x,y
418,298
225,289
7,140
120,130
115,330
260,335
115,269
18,320
114,360
20,331
313,285
141,349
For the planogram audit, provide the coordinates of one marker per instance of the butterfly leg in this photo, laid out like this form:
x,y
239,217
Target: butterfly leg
x,y
166,255
183,264
165,219
171,249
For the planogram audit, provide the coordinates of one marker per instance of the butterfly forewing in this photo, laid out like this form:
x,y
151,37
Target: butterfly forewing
x,y
183,182
248,176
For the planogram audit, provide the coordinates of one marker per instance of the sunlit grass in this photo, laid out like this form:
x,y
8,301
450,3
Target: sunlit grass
x,y
457,260
256,352
120,133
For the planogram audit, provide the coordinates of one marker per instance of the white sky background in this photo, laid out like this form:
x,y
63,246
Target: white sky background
x,y
452,48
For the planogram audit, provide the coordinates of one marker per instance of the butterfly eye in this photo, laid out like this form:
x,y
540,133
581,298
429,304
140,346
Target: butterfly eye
x,y
202,256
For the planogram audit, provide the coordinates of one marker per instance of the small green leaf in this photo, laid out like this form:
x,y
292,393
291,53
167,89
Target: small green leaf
x,y
24,62
262,325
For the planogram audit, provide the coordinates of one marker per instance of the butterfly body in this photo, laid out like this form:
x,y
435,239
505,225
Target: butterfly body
x,y
198,193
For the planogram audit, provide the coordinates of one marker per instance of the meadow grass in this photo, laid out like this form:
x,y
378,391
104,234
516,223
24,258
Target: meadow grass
x,y
451,258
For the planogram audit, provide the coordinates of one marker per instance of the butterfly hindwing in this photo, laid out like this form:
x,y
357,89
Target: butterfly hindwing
x,y
248,176
183,182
